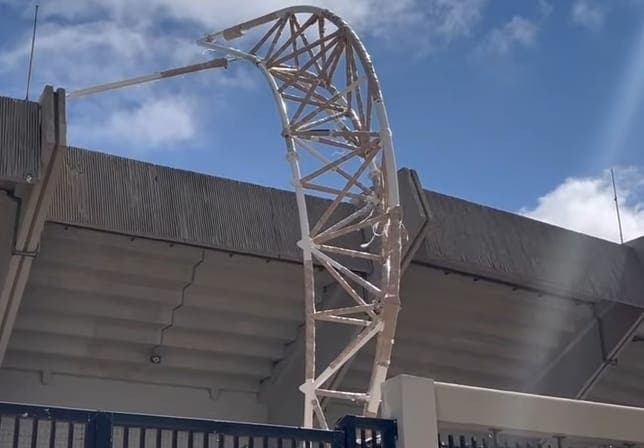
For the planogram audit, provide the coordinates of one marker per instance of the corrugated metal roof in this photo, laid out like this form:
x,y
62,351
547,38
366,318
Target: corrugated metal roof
x,y
121,195
487,242
174,205
19,140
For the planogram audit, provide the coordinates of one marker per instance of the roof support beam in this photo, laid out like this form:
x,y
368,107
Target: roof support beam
x,y
583,362
284,401
34,205
586,358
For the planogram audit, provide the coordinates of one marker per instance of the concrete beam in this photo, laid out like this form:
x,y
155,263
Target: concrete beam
x,y
8,211
419,403
584,360
34,204
582,363
280,391
126,390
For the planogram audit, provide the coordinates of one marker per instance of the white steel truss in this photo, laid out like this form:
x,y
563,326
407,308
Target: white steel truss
x,y
339,146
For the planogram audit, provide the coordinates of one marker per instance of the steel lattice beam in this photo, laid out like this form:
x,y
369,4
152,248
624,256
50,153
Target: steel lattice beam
x,y
339,146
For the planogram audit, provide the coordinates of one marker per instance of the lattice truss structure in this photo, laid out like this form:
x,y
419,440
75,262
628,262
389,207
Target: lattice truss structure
x,y
339,146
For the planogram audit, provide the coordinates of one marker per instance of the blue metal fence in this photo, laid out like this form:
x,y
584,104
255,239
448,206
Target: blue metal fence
x,y
361,432
25,426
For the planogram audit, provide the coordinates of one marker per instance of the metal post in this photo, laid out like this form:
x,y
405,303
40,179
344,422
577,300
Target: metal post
x,y
100,435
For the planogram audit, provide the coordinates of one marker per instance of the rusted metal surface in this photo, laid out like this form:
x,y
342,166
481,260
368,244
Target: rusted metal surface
x,y
503,246
19,140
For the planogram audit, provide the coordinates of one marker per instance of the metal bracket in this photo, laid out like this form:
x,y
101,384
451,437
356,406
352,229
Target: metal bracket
x,y
26,253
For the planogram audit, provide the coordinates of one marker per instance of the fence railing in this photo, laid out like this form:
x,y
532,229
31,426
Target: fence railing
x,y
441,415
26,426
361,432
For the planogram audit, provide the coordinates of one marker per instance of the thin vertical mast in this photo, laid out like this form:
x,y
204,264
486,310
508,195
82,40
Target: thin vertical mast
x,y
619,218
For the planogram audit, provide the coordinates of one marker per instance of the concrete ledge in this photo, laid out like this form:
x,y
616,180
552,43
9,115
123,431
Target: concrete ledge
x,y
420,403
536,414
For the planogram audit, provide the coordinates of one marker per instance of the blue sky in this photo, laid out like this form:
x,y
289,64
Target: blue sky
x,y
522,105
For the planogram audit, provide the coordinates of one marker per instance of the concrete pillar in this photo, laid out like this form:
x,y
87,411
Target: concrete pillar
x,y
411,401
8,210
34,206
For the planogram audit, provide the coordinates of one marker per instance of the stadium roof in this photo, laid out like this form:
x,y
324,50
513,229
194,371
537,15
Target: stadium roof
x,y
135,258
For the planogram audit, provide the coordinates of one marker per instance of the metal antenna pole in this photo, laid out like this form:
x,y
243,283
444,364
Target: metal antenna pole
x,y
619,218
31,56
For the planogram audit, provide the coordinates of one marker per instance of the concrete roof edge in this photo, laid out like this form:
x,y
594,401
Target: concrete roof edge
x,y
196,209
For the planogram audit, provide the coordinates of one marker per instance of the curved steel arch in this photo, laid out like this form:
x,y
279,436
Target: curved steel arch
x,y
336,129
332,113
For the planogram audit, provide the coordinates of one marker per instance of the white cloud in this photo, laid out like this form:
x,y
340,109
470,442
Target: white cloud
x,y
429,22
153,124
456,18
587,13
586,205
518,32
78,54
156,122
545,8
83,43
73,55
452,17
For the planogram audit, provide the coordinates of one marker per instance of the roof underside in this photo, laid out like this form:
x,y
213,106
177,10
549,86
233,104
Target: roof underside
x,y
97,303
139,259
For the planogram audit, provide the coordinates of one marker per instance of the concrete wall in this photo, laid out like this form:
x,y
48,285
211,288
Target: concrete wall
x,y
8,210
123,396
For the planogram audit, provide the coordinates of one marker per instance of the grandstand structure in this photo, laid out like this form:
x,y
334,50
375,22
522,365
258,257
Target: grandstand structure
x,y
132,287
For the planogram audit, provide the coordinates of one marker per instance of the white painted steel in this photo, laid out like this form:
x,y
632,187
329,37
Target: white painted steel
x,y
309,69
340,89
536,414
215,63
420,404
